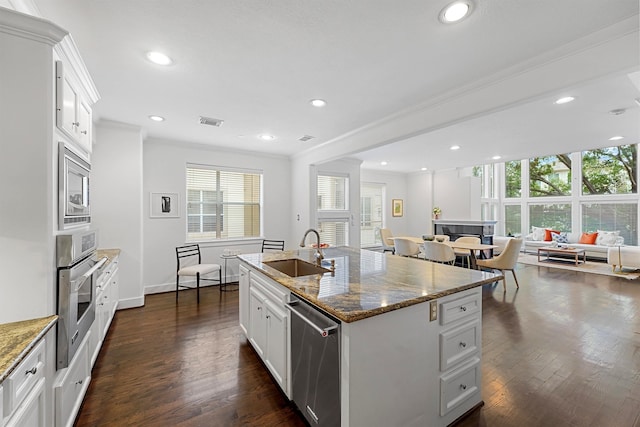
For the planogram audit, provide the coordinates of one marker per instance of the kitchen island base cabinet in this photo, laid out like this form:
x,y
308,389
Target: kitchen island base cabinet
x,y
391,365
266,323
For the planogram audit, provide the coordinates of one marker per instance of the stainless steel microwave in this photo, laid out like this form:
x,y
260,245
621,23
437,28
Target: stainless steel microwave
x,y
73,188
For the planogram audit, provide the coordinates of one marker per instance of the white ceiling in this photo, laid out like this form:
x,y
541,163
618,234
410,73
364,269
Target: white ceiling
x,y
256,65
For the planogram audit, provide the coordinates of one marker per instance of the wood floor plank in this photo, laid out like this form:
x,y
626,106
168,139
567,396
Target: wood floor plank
x,y
563,350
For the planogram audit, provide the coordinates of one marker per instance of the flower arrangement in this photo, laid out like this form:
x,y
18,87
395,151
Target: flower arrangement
x,y
437,211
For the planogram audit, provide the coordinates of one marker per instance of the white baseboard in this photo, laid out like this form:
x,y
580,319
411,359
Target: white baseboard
x,y
171,287
131,303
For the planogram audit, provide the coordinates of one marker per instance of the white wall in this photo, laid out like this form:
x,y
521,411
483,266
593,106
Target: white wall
x,y
165,171
395,188
419,203
117,202
457,193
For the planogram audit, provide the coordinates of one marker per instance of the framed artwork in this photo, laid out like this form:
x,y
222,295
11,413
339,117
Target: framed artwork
x,y
164,205
397,208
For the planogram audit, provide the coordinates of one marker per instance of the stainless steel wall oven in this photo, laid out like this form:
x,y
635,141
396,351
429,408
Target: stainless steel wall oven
x,y
78,271
73,187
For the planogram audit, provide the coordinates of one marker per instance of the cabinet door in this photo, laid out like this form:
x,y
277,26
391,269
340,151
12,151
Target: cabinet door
x,y
30,412
258,329
102,309
114,294
83,128
276,353
66,99
244,299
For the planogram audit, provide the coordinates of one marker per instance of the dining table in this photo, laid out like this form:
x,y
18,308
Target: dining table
x,y
482,248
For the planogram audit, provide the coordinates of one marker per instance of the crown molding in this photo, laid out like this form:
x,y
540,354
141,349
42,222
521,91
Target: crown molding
x,y
30,27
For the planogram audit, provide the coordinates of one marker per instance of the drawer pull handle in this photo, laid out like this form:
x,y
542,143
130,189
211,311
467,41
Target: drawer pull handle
x,y
463,308
32,371
79,382
267,316
259,308
463,344
463,386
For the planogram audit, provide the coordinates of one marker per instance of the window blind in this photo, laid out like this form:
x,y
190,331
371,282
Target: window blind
x,y
223,204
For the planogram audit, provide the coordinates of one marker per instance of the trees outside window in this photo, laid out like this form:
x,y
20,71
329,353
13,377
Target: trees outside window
x,y
611,170
555,216
622,217
513,179
550,176
513,220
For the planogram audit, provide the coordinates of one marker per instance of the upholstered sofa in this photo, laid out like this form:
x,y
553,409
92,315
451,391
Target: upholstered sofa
x,y
623,256
599,249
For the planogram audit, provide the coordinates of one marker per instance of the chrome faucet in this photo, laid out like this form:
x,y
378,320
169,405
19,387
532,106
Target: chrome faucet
x,y
319,256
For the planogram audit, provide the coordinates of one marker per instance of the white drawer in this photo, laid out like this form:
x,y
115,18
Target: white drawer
x,y
274,291
71,386
23,378
459,343
459,308
459,385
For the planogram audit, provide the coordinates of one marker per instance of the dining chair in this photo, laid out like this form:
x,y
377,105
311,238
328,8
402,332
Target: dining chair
x,y
406,247
438,252
190,264
505,261
387,240
466,253
272,245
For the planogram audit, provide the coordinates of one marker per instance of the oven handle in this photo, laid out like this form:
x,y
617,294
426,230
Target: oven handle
x,y
76,284
324,332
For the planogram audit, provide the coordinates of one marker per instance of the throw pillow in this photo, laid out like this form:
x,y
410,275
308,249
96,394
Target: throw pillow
x,y
607,238
547,234
537,233
588,238
559,237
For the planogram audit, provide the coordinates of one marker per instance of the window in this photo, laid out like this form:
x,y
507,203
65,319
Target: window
x,y
610,170
332,192
222,204
333,209
513,220
554,216
371,207
621,217
550,176
513,178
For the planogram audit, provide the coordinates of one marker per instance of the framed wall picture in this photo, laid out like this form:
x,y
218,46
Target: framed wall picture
x,y
397,208
164,205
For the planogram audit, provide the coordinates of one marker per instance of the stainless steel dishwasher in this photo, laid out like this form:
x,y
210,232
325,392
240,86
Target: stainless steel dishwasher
x,y
315,363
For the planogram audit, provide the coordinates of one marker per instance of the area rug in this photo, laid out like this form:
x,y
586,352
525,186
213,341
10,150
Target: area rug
x,y
594,267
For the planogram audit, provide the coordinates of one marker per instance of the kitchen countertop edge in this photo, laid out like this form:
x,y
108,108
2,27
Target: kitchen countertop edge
x,y
28,333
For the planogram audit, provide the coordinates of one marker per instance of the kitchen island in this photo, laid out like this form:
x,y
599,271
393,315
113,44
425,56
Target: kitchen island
x,y
409,331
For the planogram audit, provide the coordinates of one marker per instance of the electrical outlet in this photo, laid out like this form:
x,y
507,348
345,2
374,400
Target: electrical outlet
x,y
433,311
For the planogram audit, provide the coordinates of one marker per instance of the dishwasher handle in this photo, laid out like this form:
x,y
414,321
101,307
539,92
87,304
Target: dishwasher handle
x,y
324,332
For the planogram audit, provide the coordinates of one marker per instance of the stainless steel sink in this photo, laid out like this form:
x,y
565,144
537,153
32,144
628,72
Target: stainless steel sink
x,y
296,267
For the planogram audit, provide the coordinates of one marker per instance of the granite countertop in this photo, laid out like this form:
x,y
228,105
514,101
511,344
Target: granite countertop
x,y
109,253
18,338
366,283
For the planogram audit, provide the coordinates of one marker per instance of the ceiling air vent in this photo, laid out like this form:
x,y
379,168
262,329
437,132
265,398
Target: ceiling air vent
x,y
210,121
305,138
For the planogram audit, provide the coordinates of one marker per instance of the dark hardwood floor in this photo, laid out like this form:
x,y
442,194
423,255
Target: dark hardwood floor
x,y
563,350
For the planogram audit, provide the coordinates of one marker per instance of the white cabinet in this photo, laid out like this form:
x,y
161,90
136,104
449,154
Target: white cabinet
x,y
266,323
73,114
71,384
244,299
107,294
460,342
23,394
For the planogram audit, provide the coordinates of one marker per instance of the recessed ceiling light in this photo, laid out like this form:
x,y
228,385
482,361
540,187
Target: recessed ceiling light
x,y
496,157
266,137
384,163
423,169
159,58
318,102
564,100
455,12
454,147
616,138
157,118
